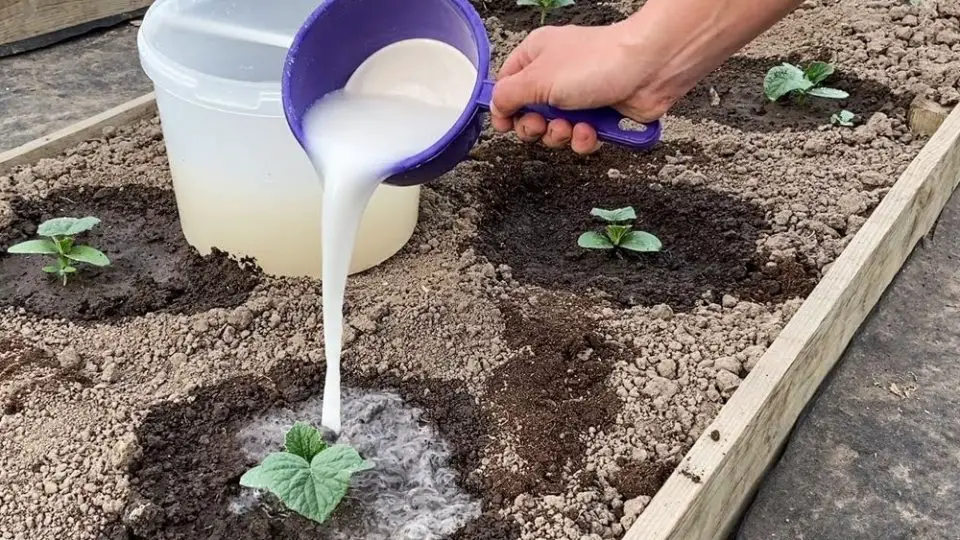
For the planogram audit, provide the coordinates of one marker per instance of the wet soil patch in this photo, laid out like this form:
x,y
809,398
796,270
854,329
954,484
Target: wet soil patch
x,y
525,18
552,393
190,461
538,202
637,479
152,266
739,85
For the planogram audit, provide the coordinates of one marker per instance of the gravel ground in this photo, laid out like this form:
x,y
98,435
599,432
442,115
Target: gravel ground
x,y
586,397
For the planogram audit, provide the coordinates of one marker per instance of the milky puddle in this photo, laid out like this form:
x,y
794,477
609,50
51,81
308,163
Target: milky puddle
x,y
412,494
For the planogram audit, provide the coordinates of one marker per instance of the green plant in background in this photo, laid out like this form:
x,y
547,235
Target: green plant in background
x,y
309,477
618,233
545,6
60,242
788,79
843,118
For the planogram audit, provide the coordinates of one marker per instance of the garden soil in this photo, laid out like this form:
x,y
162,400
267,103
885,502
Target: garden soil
x,y
152,267
568,384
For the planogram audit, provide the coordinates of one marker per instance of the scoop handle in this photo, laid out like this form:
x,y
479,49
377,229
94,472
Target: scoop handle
x,y
605,120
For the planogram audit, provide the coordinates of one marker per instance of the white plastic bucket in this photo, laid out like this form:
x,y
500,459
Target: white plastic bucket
x,y
242,183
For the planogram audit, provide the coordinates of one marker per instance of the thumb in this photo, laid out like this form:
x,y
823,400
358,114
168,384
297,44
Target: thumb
x,y
513,92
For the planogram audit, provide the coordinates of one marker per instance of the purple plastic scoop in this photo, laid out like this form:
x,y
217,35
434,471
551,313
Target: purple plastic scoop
x,y
341,34
605,120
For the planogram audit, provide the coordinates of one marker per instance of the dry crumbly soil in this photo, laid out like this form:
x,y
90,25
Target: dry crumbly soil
x,y
569,384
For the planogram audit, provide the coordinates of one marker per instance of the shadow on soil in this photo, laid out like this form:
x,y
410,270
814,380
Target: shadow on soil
x,y
739,84
537,202
525,18
190,460
152,266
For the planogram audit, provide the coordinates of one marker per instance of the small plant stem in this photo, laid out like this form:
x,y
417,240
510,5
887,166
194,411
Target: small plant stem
x,y
543,16
62,263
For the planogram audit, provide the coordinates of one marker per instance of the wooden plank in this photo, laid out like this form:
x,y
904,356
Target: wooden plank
x,y
715,480
24,19
55,143
51,38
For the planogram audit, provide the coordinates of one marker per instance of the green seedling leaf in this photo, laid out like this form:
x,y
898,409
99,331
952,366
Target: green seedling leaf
x,y
51,269
83,225
616,233
818,72
67,226
312,489
843,118
594,240
528,3
562,3
830,93
784,79
640,241
35,247
87,254
612,216
305,441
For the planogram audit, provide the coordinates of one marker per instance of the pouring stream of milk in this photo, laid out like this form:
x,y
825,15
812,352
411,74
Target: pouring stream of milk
x,y
353,136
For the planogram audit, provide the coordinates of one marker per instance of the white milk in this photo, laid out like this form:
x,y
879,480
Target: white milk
x,y
398,103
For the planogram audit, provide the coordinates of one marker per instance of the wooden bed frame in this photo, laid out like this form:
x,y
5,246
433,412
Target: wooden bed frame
x,y
706,494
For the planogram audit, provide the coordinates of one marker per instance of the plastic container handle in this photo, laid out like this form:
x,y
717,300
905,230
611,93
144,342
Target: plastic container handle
x,y
605,120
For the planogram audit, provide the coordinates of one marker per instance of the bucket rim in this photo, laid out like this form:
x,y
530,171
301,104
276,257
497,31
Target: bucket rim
x,y
182,81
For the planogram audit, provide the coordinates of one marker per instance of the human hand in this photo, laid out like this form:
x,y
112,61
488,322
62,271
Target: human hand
x,y
575,67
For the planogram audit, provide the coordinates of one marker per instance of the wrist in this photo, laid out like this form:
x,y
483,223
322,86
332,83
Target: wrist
x,y
672,51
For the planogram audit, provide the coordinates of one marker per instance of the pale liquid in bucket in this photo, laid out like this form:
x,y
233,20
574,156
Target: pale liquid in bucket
x,y
401,101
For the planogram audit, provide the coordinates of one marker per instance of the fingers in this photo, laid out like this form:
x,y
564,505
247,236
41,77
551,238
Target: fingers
x,y
513,92
524,54
585,139
500,123
531,127
559,133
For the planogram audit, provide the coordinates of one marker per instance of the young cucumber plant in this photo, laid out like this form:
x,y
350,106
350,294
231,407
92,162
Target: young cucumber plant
x,y
788,79
545,6
60,242
843,118
618,233
309,477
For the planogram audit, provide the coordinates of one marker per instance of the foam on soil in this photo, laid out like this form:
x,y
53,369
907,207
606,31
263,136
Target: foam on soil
x,y
412,493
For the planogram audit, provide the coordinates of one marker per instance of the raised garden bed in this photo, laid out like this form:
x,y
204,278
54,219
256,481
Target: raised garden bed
x,y
561,394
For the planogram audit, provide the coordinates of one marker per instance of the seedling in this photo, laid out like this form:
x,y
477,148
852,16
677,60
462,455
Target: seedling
x,y
843,118
788,79
618,233
545,6
308,476
60,242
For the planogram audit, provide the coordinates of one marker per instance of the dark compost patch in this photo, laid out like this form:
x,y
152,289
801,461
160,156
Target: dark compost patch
x,y
153,268
739,84
519,18
554,391
539,202
190,461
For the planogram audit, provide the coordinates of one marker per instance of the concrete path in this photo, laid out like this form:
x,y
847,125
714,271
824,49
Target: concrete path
x,y
48,89
877,455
